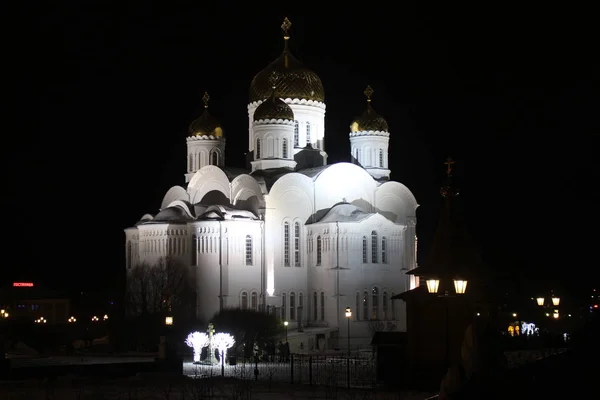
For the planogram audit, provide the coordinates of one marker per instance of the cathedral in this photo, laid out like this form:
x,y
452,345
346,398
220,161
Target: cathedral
x,y
290,235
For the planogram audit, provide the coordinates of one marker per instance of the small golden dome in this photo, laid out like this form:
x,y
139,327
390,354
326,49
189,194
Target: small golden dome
x,y
369,120
273,108
206,124
294,80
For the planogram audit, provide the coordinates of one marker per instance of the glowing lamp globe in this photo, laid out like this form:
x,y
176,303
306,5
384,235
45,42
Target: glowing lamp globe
x,y
168,321
432,285
555,315
540,301
555,301
348,312
460,285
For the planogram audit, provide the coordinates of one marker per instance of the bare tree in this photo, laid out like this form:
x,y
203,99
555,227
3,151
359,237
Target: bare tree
x,y
153,289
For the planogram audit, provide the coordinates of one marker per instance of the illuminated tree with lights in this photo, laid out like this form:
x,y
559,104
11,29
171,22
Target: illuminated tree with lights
x,y
223,341
197,341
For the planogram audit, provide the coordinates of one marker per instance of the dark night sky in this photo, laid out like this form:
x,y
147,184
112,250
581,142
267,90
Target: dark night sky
x,y
512,97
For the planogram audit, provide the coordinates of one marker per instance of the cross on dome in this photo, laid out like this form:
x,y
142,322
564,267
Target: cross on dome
x,y
285,27
369,92
205,99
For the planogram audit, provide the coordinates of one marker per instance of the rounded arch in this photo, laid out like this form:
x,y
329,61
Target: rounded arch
x,y
174,193
206,179
395,201
345,182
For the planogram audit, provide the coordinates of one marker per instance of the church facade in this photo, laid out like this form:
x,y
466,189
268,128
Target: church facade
x,y
292,235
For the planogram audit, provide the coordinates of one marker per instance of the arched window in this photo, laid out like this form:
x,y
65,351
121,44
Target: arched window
x,y
364,250
374,302
384,304
315,305
254,301
214,158
322,306
191,162
283,306
286,244
292,306
319,249
393,316
301,306
285,148
383,250
357,307
380,158
194,250
129,255
297,244
296,134
248,250
374,255
244,300
308,133
257,149
365,305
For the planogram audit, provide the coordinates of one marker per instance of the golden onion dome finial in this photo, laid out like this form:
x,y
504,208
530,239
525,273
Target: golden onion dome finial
x,y
205,99
369,93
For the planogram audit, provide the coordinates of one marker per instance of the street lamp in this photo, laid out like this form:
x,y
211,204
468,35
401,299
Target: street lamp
x,y
460,287
285,323
555,301
168,320
348,315
540,301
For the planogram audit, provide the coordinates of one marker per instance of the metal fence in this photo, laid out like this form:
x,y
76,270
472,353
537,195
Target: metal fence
x,y
338,371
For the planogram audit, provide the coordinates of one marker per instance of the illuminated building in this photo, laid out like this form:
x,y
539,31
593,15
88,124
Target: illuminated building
x,y
291,235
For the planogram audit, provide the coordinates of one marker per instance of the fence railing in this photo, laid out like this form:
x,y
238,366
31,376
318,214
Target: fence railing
x,y
338,371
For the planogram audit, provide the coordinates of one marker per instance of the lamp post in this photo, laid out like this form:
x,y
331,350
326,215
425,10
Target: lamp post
x,y
460,287
348,316
285,323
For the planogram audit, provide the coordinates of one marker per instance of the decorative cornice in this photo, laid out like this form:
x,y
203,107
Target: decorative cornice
x,y
369,133
204,137
313,103
274,121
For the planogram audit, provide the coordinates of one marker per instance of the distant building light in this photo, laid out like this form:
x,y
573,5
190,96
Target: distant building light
x,y
22,284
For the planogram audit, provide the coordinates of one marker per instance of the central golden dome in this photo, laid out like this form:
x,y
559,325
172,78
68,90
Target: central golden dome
x,y
369,120
294,81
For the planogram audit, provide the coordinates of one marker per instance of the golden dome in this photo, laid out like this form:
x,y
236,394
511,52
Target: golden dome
x,y
206,124
273,108
294,81
369,120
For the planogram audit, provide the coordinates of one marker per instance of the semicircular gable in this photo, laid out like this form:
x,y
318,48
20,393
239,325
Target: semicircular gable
x,y
208,179
395,201
344,182
292,195
243,188
174,193
184,205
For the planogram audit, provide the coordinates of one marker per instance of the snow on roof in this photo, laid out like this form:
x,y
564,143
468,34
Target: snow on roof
x,y
345,212
221,213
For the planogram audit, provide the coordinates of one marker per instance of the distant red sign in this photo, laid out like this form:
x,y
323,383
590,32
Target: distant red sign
x,y
22,284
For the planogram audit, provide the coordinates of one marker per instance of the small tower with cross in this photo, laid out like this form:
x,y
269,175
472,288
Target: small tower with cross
x,y
210,356
370,139
205,142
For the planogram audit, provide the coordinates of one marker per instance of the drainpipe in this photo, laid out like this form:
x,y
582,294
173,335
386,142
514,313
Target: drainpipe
x,y
263,277
220,267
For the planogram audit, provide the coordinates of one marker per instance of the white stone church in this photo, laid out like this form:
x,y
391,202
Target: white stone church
x,y
291,235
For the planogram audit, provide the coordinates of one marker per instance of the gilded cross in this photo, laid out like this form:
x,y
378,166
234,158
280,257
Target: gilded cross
x,y
449,163
205,99
273,79
285,27
369,92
